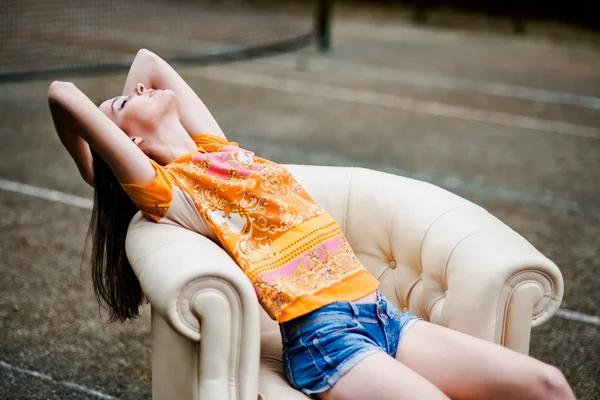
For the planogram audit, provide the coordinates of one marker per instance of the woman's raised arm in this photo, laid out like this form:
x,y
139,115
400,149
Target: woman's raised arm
x,y
67,129
72,109
154,72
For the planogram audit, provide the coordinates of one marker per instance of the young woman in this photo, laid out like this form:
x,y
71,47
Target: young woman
x,y
149,149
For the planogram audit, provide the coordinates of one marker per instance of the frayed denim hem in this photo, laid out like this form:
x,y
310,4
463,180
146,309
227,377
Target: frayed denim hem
x,y
341,370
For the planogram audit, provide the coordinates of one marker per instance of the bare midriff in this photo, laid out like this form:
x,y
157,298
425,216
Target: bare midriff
x,y
370,298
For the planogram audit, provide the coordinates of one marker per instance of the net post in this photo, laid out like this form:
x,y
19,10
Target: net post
x,y
323,25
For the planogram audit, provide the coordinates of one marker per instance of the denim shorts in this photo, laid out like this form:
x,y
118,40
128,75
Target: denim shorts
x,y
321,346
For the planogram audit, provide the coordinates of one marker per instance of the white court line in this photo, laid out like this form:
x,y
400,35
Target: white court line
x,y
48,378
308,88
82,202
439,81
577,316
47,194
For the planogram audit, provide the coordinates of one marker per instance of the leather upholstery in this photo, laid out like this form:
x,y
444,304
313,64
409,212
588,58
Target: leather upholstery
x,y
438,255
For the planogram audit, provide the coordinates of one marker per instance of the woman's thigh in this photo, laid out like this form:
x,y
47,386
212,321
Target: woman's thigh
x,y
465,367
380,377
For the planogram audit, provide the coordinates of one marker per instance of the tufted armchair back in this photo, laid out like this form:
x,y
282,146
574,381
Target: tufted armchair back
x,y
433,251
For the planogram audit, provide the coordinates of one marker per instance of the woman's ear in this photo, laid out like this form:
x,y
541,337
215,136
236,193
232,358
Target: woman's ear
x,y
137,140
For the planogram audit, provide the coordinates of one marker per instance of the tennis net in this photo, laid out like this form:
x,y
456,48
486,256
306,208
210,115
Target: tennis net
x,y
51,37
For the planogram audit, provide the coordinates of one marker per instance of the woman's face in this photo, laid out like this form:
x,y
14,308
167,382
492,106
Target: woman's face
x,y
142,112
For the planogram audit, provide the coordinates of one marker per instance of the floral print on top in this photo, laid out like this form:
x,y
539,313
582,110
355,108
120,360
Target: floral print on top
x,y
292,251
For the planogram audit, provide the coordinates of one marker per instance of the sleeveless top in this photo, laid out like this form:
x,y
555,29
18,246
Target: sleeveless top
x,y
293,252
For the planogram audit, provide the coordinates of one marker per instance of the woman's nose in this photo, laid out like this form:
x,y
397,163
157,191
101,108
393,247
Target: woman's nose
x,y
139,88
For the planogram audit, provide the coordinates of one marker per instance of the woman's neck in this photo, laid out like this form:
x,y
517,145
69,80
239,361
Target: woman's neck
x,y
171,143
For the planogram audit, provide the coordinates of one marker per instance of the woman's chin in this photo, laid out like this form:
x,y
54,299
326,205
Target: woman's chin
x,y
166,92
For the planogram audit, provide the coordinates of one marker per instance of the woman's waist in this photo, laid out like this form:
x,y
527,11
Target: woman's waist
x,y
364,310
370,298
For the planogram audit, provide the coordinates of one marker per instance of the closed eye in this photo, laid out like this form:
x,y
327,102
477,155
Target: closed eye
x,y
122,105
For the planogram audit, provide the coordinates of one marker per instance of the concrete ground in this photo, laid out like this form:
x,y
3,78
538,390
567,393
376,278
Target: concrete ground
x,y
510,123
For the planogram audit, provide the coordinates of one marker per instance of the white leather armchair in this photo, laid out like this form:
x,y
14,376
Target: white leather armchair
x,y
440,256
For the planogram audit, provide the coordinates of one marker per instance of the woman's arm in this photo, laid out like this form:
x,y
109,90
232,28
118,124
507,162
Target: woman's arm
x,y
127,161
67,127
154,72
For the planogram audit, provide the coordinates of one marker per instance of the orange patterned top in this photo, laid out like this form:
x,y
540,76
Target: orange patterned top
x,y
293,252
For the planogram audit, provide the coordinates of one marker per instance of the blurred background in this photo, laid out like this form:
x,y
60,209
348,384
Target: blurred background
x,y
497,101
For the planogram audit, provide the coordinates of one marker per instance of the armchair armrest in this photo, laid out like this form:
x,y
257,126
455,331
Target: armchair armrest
x,y
494,284
201,293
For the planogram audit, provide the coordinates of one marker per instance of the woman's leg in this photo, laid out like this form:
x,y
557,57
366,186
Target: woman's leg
x,y
380,377
465,367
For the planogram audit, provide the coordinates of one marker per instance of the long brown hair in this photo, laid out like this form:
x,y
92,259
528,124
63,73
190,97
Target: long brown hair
x,y
115,284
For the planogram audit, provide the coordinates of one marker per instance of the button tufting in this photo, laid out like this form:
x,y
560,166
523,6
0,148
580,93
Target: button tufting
x,y
393,264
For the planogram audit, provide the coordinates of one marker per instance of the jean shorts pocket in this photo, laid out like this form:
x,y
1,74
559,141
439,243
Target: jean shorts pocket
x,y
333,340
337,328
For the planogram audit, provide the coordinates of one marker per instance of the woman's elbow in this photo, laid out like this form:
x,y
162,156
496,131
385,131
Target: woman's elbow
x,y
58,88
145,55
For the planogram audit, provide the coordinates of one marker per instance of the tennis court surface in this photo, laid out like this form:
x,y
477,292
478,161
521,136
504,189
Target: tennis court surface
x,y
510,123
